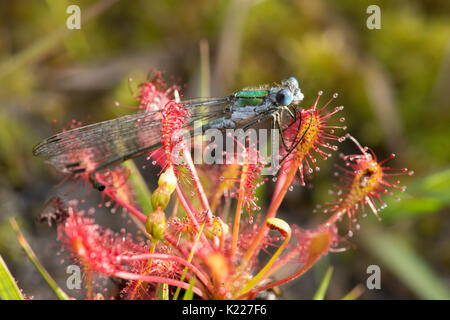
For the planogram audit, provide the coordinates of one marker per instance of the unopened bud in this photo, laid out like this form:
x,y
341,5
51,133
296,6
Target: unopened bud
x,y
166,186
168,180
156,224
160,199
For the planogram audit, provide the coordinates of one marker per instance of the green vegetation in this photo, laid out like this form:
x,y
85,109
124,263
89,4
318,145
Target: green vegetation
x,y
394,84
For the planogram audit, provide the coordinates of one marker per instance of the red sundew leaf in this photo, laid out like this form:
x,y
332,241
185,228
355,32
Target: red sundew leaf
x,y
155,92
312,132
93,246
364,181
173,117
318,246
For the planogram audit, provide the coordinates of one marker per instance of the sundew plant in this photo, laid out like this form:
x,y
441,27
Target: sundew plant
x,y
203,233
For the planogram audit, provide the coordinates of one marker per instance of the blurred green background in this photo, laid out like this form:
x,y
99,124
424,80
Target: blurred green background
x,y
394,83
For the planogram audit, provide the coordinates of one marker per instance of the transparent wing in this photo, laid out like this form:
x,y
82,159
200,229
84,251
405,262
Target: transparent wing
x,y
85,148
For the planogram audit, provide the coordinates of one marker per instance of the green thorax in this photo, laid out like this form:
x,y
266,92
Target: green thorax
x,y
249,97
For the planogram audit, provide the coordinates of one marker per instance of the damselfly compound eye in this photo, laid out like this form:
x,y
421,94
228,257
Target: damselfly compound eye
x,y
284,97
291,81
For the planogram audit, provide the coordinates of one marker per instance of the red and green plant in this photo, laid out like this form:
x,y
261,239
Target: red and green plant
x,y
211,243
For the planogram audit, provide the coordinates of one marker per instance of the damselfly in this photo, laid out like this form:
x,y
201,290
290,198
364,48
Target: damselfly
x,y
94,147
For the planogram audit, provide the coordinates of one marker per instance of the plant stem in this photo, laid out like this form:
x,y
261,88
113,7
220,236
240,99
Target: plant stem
x,y
191,256
163,256
335,217
274,205
140,286
143,194
305,268
240,204
9,290
32,256
320,293
261,274
175,244
283,261
187,207
197,184
157,279
89,294
138,214
355,293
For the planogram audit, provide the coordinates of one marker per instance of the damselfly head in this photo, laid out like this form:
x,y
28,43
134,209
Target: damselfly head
x,y
291,81
290,93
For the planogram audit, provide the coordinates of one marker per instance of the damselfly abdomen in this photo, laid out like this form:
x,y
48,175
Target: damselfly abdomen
x,y
94,147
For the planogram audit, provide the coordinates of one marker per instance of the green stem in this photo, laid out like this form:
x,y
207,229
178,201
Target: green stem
x,y
8,286
254,281
320,293
191,256
355,293
237,216
32,256
143,194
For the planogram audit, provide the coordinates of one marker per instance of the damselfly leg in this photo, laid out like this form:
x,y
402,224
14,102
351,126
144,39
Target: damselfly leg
x,y
295,144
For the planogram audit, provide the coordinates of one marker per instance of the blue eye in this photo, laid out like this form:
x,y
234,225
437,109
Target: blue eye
x,y
293,81
284,97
